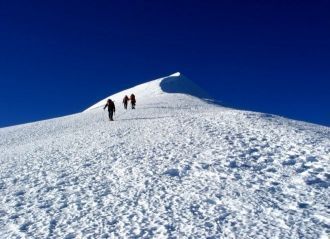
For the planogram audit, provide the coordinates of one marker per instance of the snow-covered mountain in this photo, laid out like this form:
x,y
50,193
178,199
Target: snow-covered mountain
x,y
175,167
175,83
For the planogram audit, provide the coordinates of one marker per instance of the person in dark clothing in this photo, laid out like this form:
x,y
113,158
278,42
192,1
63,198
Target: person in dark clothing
x,y
133,101
125,101
111,108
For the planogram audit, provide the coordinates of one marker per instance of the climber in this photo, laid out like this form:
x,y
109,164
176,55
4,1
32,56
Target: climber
x,y
111,108
125,101
133,101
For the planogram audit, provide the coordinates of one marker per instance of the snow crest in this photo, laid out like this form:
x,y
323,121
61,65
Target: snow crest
x,y
175,167
175,83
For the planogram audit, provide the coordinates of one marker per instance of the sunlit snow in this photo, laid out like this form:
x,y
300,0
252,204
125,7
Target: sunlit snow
x,y
175,167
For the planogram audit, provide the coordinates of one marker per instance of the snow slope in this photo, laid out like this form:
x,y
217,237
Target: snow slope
x,y
175,83
176,167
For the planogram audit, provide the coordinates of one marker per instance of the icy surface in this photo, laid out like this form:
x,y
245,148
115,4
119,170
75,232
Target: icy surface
x,y
176,167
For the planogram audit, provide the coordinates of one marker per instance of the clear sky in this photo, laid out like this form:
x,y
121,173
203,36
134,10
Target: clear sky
x,y
60,57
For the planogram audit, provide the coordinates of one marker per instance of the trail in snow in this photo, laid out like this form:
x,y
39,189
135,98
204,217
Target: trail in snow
x,y
175,167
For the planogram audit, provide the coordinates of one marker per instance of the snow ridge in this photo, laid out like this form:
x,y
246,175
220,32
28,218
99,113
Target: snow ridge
x,y
176,167
175,83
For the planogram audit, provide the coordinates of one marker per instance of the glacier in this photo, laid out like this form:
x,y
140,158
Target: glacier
x,y
178,166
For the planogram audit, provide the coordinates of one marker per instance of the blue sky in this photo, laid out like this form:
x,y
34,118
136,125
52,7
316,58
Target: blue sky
x,y
60,57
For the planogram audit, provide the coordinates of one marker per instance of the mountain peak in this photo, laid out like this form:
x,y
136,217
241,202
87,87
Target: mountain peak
x,y
175,74
173,84
178,83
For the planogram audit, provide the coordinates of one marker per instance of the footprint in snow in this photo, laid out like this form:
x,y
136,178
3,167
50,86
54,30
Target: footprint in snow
x,y
315,181
25,227
311,159
302,168
70,236
172,172
52,225
19,193
303,205
289,162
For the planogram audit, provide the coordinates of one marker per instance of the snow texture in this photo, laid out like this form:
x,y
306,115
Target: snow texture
x,y
175,167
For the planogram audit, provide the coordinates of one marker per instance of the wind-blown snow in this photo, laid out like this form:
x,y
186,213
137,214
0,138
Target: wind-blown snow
x,y
176,167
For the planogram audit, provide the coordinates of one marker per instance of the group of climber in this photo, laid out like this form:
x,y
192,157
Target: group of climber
x,y
112,108
132,99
